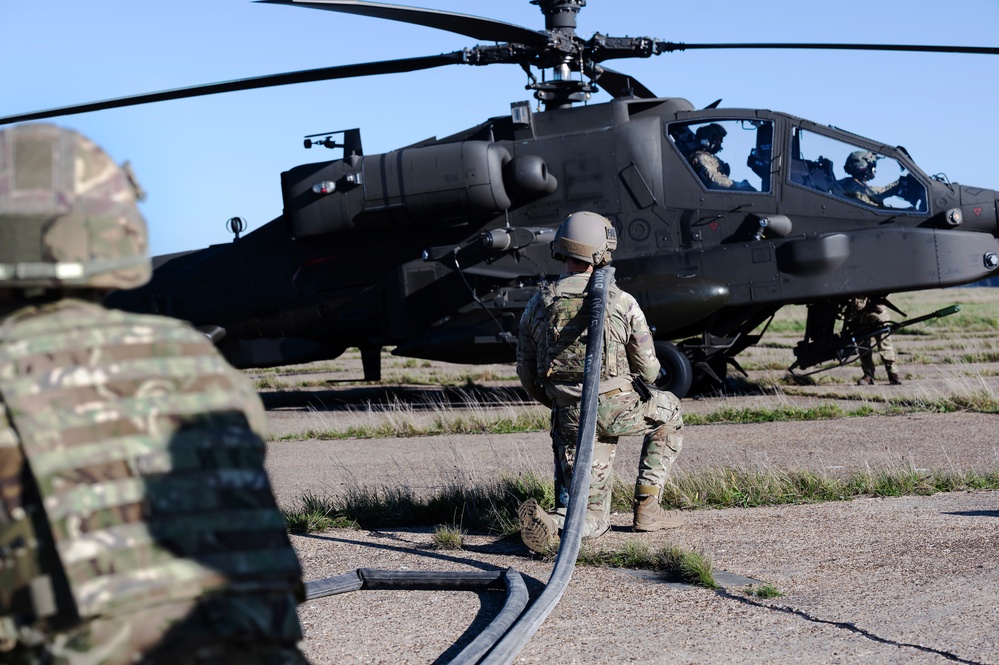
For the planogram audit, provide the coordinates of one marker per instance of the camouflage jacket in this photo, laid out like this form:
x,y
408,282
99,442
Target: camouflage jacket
x,y
867,310
712,170
628,345
869,194
132,477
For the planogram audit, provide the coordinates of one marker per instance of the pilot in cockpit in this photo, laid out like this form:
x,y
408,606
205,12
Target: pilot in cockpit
x,y
860,166
707,165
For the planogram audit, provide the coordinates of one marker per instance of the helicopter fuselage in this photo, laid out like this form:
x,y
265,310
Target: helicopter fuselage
x,y
434,249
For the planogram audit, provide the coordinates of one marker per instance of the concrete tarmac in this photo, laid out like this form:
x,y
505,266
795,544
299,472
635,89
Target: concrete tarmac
x,y
875,580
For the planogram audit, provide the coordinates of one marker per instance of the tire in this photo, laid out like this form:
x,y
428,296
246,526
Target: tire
x,y
677,374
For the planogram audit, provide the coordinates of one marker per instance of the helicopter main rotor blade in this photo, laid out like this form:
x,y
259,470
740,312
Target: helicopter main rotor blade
x,y
462,24
669,47
268,81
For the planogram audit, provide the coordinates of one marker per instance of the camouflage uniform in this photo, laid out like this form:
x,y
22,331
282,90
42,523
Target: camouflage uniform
x,y
715,172
556,317
137,523
712,170
869,194
868,313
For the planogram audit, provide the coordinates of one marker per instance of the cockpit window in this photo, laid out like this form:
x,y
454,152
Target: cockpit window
x,y
747,143
852,172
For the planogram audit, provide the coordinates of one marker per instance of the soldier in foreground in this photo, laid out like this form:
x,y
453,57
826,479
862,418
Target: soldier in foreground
x,y
551,352
137,523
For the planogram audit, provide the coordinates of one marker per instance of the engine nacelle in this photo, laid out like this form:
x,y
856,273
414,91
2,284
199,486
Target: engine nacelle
x,y
434,185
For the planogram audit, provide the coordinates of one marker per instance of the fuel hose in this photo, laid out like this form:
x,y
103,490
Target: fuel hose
x,y
572,531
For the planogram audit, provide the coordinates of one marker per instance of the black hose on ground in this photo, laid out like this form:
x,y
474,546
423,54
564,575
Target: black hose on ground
x,y
516,601
572,531
409,580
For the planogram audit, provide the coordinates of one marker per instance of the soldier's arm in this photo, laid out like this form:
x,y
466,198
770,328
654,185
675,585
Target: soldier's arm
x,y
640,346
710,173
886,192
527,353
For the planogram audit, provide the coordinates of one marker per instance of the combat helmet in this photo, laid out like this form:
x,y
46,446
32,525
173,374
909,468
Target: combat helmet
x,y
861,164
586,236
710,136
68,214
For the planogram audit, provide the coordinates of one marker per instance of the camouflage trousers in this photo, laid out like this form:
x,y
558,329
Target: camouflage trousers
x,y
233,630
883,345
885,349
622,414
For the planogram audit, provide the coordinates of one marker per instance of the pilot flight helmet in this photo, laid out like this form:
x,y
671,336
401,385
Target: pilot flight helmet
x,y
861,164
68,214
586,236
710,136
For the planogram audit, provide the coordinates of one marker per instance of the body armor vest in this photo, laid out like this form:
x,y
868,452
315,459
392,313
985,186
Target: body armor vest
x,y
143,478
568,321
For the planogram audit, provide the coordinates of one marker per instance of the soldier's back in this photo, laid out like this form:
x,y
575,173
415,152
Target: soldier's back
x,y
138,523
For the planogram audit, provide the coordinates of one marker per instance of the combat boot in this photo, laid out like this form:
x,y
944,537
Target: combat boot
x,y
649,515
866,364
538,529
892,375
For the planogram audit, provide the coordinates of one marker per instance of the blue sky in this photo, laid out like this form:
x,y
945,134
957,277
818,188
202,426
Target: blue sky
x,y
205,160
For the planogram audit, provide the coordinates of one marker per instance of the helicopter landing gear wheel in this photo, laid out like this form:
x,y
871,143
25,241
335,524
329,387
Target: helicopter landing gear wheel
x,y
677,373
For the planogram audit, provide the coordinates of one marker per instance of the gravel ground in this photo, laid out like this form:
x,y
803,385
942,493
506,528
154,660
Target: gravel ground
x,y
901,580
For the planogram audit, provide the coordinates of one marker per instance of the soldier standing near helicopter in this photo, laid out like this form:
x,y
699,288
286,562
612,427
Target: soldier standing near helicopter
x,y
870,313
551,352
137,522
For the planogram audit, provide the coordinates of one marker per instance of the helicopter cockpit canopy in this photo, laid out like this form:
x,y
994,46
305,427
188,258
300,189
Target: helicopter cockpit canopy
x,y
727,154
830,165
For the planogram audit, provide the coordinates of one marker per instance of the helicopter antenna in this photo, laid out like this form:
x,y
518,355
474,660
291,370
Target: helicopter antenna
x,y
235,225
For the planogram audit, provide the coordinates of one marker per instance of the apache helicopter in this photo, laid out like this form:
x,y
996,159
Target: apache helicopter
x,y
471,216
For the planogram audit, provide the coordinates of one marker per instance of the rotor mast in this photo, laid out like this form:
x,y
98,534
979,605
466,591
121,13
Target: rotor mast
x,y
560,22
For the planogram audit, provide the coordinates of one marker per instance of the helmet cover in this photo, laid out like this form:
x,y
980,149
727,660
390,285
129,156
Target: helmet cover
x,y
68,214
585,236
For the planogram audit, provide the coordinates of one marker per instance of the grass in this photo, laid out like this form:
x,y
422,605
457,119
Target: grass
x,y
454,422
404,420
447,537
503,413
765,590
493,509
739,488
490,509
316,514
407,372
961,399
682,565
780,412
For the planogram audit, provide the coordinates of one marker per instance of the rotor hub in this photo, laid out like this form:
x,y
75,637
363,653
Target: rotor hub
x,y
560,15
